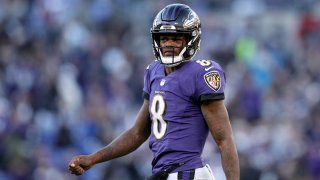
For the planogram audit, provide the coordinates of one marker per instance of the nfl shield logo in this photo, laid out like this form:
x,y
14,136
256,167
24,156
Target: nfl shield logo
x,y
213,80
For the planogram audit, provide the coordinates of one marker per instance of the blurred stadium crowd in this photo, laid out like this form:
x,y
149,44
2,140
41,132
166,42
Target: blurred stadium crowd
x,y
71,77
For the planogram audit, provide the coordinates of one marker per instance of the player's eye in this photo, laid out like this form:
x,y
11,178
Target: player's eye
x,y
163,37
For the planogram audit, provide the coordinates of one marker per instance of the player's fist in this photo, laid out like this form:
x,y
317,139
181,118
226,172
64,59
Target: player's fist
x,y
79,164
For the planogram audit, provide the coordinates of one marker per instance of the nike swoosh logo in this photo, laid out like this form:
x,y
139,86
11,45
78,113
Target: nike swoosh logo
x,y
207,69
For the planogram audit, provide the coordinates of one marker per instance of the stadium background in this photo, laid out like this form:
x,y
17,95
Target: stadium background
x,y
71,74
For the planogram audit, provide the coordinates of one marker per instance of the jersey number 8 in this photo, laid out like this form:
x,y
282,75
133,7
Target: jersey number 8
x,y
157,111
204,62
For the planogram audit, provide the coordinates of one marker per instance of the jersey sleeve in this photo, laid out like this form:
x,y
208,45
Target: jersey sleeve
x,y
146,83
210,83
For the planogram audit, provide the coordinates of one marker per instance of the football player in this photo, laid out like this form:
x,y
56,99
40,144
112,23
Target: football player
x,y
183,102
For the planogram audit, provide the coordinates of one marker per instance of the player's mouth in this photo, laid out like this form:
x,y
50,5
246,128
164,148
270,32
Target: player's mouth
x,y
169,52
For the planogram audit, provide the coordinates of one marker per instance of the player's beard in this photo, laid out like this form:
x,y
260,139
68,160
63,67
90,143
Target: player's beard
x,y
169,51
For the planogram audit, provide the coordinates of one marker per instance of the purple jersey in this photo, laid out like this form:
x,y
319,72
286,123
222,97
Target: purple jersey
x,y
179,130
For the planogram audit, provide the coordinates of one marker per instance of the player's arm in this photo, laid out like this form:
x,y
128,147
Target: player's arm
x,y
216,116
129,141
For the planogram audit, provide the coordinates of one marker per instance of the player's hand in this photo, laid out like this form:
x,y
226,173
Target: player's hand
x,y
79,164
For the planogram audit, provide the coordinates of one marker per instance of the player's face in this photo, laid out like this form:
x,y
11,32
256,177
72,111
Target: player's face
x,y
172,45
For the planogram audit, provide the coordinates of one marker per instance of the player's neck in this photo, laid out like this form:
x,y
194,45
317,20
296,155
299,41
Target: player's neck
x,y
169,70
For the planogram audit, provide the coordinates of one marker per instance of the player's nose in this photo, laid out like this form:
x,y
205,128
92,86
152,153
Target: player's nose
x,y
170,42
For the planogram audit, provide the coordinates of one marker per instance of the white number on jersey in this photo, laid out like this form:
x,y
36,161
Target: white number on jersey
x,y
157,111
204,62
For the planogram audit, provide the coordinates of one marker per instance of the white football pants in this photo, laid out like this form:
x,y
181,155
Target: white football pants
x,y
203,173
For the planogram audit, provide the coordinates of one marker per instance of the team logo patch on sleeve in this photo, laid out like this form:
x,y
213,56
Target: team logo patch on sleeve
x,y
213,80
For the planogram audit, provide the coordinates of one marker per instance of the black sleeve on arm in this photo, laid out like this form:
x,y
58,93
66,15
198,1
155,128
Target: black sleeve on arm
x,y
145,95
214,97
